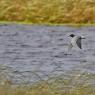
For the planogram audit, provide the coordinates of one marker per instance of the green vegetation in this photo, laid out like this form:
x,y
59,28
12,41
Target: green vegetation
x,y
48,11
70,84
44,89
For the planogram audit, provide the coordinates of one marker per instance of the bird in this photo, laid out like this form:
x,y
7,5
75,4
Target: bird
x,y
76,40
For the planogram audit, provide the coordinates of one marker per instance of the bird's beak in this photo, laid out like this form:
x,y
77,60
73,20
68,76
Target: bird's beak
x,y
83,38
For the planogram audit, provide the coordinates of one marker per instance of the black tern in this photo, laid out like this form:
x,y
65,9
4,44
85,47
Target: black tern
x,y
76,40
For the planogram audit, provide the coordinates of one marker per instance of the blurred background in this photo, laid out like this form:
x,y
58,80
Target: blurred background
x,y
48,11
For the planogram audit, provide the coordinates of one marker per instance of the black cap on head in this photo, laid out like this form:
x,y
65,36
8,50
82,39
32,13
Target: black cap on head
x,y
72,35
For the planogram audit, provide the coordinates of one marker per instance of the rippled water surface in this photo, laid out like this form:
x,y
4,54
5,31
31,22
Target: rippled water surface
x,y
32,52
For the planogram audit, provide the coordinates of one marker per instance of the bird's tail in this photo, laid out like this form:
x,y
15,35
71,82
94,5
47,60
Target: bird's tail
x,y
70,47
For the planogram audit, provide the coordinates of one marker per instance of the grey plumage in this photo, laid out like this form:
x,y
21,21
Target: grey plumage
x,y
76,40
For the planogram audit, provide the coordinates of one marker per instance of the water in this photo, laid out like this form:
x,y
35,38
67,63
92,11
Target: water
x,y
33,52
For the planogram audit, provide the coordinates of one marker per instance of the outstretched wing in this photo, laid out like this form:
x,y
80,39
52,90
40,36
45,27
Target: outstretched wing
x,y
78,42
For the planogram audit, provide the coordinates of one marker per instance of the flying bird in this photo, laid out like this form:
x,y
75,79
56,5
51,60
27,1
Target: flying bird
x,y
76,40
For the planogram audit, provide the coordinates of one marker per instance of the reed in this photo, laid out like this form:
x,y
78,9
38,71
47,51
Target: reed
x,y
48,11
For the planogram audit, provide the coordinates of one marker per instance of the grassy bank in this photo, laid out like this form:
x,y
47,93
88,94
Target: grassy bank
x,y
48,11
82,84
43,89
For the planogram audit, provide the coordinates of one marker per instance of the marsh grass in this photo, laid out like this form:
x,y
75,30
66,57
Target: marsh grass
x,y
48,11
83,84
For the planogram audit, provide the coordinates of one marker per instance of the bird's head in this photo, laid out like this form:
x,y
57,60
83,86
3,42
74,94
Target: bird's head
x,y
72,35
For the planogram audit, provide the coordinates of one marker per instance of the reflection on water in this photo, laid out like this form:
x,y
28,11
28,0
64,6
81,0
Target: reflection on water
x,y
33,52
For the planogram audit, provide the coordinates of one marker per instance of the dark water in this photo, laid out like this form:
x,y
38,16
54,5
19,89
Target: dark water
x,y
32,52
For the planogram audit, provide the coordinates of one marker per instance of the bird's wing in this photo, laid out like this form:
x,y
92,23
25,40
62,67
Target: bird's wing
x,y
78,42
